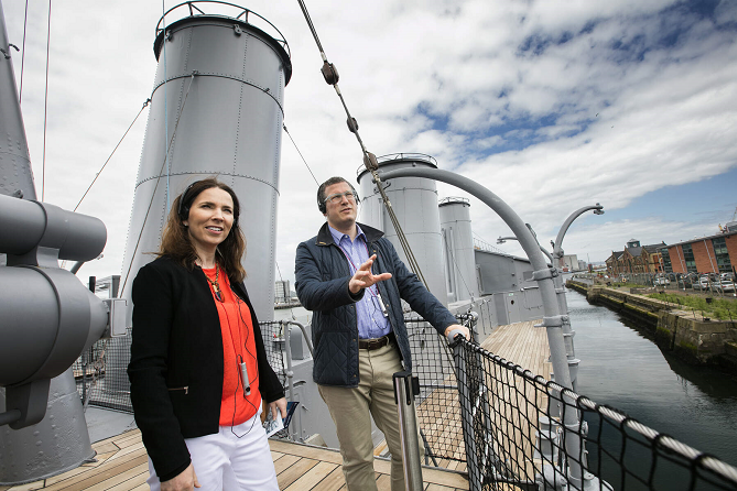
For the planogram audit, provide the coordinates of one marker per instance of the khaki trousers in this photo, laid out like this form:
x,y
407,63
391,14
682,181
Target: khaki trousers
x,y
351,409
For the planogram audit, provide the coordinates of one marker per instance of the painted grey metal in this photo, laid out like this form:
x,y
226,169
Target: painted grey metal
x,y
568,332
220,96
60,442
552,319
216,110
415,203
460,264
15,161
46,233
501,273
43,329
405,397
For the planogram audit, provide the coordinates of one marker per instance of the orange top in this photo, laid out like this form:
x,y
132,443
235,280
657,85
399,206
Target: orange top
x,y
238,345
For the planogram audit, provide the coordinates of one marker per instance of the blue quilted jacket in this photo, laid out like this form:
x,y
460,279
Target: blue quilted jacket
x,y
322,273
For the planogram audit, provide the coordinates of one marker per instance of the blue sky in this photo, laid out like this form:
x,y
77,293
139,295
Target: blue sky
x,y
553,105
712,200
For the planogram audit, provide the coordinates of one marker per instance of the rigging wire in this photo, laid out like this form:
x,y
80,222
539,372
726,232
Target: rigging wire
x,y
23,54
158,180
145,104
330,73
300,154
46,105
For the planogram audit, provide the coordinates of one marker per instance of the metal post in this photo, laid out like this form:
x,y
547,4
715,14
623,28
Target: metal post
x,y
405,388
552,319
568,332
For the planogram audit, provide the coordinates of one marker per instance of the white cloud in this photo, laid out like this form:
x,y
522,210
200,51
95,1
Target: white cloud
x,y
667,117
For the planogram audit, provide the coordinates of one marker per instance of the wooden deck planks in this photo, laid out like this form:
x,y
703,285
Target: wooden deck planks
x,y
298,467
122,463
514,408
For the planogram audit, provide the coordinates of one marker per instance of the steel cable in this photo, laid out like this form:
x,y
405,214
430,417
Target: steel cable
x,y
369,159
158,180
145,104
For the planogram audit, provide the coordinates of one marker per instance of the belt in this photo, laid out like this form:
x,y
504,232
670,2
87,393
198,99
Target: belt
x,y
372,344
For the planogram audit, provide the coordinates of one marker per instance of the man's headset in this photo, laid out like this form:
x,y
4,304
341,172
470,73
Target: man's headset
x,y
323,207
185,202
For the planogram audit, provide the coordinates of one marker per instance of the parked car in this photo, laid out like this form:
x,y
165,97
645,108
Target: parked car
x,y
725,286
703,283
662,281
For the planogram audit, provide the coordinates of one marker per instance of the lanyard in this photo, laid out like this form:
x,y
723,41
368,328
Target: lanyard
x,y
376,294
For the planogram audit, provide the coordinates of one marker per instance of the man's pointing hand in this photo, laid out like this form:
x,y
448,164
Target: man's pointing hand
x,y
364,278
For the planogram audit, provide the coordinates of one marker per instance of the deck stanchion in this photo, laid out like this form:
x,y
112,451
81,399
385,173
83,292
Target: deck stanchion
x,y
464,399
405,389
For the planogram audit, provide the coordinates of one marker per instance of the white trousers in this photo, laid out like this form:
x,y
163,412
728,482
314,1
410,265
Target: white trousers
x,y
224,462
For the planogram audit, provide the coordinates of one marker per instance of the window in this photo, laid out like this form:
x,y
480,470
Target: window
x,y
722,256
688,257
667,266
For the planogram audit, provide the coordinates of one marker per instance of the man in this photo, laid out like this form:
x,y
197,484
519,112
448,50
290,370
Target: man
x,y
351,278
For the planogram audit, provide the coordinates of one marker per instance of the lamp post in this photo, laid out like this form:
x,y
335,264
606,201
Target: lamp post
x,y
560,292
552,320
568,332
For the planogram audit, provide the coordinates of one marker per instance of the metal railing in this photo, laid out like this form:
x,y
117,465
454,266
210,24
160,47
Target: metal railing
x,y
511,439
476,408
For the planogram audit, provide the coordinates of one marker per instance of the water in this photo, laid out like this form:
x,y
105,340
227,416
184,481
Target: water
x,y
300,314
621,368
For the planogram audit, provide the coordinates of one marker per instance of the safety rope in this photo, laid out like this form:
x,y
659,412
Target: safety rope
x,y
145,104
330,73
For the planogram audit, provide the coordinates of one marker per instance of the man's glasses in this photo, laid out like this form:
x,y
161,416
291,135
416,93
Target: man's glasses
x,y
338,197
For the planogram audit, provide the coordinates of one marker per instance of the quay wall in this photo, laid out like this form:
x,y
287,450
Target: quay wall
x,y
690,336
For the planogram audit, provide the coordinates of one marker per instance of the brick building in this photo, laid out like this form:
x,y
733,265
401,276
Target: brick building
x,y
637,259
712,254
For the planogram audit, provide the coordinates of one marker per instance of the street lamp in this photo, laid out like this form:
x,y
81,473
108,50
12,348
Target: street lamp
x,y
553,318
560,291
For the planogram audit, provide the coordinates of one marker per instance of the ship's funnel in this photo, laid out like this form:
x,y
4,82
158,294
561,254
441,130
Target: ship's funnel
x,y
460,264
216,110
415,201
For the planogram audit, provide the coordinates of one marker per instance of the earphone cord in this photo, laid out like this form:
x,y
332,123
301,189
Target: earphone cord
x,y
239,360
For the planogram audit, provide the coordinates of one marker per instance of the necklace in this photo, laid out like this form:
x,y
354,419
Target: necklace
x,y
216,284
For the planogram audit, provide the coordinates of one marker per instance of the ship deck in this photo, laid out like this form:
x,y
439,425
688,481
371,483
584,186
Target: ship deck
x,y
122,464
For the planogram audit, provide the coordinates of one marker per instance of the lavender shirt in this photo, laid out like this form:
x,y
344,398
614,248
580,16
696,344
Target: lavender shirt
x,y
371,320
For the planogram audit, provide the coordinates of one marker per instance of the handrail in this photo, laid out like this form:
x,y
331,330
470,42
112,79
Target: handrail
x,y
243,14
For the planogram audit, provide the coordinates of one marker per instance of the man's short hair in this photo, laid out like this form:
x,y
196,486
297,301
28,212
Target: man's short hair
x,y
321,191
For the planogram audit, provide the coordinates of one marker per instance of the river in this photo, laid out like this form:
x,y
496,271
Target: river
x,y
623,369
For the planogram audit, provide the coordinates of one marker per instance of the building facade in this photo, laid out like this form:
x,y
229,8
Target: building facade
x,y
636,258
712,254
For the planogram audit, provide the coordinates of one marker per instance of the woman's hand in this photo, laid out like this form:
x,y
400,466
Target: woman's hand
x,y
186,481
279,405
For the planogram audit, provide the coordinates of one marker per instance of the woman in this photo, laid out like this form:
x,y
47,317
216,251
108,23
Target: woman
x,y
198,368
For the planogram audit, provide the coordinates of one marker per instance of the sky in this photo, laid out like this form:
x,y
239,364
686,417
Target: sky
x,y
552,105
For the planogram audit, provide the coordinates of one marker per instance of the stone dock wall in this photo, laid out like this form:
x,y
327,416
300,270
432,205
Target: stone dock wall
x,y
690,336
